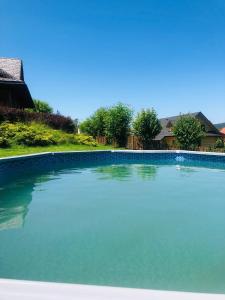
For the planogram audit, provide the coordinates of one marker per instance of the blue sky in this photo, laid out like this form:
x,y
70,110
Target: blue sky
x,y
82,54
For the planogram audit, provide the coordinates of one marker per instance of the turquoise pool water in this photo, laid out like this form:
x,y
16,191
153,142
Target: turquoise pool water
x,y
131,225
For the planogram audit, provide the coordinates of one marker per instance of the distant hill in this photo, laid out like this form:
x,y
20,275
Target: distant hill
x,y
220,125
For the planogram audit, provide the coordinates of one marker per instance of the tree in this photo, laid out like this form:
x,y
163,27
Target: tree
x,y
219,143
113,122
146,126
95,125
42,107
118,121
188,131
87,127
99,121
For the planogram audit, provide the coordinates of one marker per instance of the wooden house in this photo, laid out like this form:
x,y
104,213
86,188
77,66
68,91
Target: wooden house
x,y
166,137
13,89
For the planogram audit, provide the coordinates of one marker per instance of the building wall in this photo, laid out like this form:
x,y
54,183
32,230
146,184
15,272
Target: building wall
x,y
208,141
15,95
7,97
4,97
169,142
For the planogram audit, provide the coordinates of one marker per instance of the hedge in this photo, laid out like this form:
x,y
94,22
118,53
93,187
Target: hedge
x,y
55,121
36,134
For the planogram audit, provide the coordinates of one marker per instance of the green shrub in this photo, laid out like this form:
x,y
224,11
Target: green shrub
x,y
36,134
95,125
42,107
146,126
219,144
118,121
113,122
188,132
33,138
4,142
82,139
31,135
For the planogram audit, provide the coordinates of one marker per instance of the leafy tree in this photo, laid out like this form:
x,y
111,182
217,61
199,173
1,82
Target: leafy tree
x,y
42,107
87,127
188,132
99,121
146,126
113,122
95,125
118,121
219,143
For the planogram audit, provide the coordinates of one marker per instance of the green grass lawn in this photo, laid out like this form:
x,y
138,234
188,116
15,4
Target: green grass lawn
x,y
21,150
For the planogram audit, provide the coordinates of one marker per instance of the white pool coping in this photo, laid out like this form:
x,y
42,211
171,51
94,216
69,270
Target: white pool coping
x,y
34,290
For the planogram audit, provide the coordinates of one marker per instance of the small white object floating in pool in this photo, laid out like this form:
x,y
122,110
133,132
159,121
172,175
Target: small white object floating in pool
x,y
180,158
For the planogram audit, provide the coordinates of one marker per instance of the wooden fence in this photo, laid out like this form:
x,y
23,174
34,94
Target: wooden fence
x,y
102,140
133,143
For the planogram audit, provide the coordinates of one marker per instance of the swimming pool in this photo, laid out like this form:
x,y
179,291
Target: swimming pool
x,y
130,219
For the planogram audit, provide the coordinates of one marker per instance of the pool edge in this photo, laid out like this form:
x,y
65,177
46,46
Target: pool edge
x,y
21,289
18,157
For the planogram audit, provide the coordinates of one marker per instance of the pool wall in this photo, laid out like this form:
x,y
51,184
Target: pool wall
x,y
12,168
52,159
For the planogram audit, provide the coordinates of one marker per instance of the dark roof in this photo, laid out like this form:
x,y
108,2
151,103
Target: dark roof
x,y
11,69
163,133
173,119
220,125
166,130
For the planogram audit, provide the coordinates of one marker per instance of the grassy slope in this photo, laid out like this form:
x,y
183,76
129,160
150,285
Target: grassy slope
x,y
19,150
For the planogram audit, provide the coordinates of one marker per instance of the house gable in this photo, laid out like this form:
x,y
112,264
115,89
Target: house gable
x,y
13,90
11,69
209,127
167,124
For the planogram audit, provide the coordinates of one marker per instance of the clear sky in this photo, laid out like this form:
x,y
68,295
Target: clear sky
x,y
82,54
